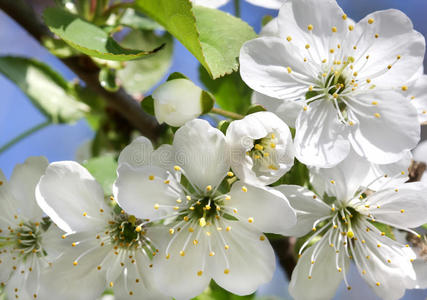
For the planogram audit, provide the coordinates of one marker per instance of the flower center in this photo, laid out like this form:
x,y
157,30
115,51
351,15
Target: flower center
x,y
26,239
128,232
263,153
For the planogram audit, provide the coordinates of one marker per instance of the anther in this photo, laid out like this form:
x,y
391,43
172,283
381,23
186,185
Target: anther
x,y
244,189
289,38
250,220
230,174
310,27
404,88
151,177
177,168
371,21
350,27
334,29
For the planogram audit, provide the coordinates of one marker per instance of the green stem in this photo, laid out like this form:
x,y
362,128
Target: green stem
x,y
237,8
24,135
226,113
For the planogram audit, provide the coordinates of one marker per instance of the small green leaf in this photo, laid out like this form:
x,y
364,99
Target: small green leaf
x,y
177,75
87,37
148,105
223,125
266,19
212,36
388,230
107,79
140,76
208,102
136,20
230,92
255,108
103,168
46,89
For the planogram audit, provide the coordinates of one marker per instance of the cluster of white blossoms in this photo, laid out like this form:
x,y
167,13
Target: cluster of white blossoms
x,y
200,209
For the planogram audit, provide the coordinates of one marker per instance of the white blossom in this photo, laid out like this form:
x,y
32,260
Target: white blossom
x,y
347,76
27,242
210,231
177,101
346,224
100,248
261,148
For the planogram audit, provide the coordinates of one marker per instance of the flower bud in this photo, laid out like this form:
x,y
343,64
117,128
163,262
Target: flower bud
x,y
177,101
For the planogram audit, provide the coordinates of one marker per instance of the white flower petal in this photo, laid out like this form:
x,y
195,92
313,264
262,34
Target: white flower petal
x,y
141,153
307,205
180,276
389,271
343,180
7,208
387,129
389,175
134,281
210,3
263,66
267,209
65,281
396,37
325,278
251,261
200,150
320,139
71,197
418,97
177,101
271,4
23,186
288,111
138,153
403,206
241,136
6,257
420,267
140,191
295,17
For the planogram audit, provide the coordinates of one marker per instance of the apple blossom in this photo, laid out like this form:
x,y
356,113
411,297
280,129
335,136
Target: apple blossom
x,y
101,248
210,231
345,221
261,148
27,241
346,75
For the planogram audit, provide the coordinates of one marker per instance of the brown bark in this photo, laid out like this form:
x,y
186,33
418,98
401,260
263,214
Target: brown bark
x,y
120,101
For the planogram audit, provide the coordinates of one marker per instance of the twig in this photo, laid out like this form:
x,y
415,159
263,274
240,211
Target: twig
x,y
120,101
226,113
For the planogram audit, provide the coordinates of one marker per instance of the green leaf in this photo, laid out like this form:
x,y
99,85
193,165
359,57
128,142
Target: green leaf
x,y
88,38
388,230
255,108
230,92
103,168
141,75
177,75
147,105
136,20
212,36
46,89
208,102
223,125
266,19
107,79
215,292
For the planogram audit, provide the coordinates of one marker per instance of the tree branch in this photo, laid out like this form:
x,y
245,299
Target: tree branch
x,y
120,101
